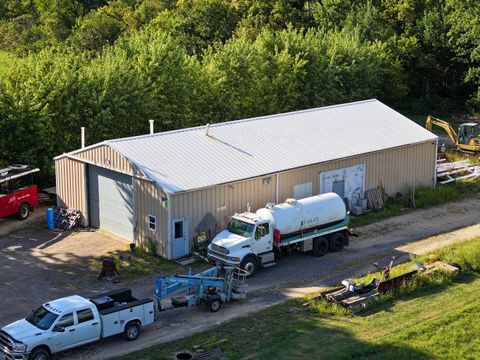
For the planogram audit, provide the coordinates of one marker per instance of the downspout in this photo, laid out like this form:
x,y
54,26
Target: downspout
x,y
435,165
169,227
276,188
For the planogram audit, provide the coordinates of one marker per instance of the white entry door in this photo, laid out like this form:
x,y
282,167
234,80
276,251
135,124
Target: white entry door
x,y
180,238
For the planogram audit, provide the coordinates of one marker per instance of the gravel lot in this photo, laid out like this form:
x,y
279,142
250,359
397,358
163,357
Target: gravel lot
x,y
38,265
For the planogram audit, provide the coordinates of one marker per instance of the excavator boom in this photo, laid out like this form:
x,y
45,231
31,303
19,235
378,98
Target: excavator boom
x,y
444,125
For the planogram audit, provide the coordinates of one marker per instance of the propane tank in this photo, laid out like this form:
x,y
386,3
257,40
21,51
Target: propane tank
x,y
297,215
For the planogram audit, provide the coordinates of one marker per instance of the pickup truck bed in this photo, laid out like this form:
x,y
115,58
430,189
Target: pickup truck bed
x,y
118,306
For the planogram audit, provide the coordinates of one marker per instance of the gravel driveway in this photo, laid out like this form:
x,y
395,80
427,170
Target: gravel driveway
x,y
39,267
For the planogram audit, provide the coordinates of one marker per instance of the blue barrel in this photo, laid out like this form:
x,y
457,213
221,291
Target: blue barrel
x,y
50,219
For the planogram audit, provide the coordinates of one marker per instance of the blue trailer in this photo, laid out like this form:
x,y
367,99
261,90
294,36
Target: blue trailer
x,y
213,287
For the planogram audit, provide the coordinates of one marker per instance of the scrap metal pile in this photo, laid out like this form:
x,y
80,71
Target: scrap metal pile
x,y
357,297
448,172
66,219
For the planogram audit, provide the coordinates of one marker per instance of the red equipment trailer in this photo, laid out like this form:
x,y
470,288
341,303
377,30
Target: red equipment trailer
x,y
15,196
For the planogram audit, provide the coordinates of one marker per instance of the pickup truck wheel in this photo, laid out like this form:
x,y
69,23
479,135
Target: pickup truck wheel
x,y
39,354
337,242
214,303
249,264
23,211
132,331
320,246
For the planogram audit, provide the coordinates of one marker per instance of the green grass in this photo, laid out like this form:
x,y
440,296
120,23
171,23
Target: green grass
x,y
5,59
435,320
141,263
424,198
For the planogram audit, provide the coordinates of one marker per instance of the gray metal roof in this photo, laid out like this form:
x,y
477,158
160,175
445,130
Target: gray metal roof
x,y
188,159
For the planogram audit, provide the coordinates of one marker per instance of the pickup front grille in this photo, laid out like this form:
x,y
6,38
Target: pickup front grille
x,y
219,249
5,342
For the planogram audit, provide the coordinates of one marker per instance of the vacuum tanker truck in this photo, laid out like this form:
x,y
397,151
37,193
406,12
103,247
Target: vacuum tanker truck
x,y
252,240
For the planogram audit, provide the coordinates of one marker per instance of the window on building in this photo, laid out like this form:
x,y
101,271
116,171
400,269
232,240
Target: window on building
x,y
301,191
178,229
66,320
84,315
152,222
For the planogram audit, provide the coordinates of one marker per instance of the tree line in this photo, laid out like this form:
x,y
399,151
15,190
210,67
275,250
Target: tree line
x,y
112,65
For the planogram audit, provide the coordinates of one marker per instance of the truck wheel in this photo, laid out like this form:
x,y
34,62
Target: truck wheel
x,y
132,331
39,354
337,242
214,303
249,264
320,246
23,211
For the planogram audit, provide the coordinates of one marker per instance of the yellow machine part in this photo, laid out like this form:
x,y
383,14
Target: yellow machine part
x,y
472,146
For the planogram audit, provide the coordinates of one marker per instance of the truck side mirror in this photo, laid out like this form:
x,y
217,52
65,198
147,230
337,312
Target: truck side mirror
x,y
58,328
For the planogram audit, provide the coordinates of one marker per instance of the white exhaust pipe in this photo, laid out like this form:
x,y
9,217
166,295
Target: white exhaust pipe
x,y
82,136
206,131
151,125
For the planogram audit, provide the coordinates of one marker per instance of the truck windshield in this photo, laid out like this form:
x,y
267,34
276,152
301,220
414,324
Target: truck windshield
x,y
241,228
42,318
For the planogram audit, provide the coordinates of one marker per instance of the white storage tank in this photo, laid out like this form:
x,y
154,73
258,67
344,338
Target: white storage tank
x,y
298,215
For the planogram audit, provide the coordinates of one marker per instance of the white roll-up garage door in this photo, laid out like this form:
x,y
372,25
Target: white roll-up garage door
x,y
111,201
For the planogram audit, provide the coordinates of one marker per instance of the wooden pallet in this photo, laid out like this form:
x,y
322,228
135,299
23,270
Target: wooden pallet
x,y
374,199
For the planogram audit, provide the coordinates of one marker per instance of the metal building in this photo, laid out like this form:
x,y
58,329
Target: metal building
x,y
168,187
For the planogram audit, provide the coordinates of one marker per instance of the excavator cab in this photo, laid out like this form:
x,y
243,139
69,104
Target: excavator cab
x,y
467,133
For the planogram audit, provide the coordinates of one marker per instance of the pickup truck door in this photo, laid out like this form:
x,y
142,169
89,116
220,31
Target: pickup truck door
x,y
88,326
262,239
65,339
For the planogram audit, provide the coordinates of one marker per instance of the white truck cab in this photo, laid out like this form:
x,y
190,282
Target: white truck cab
x,y
74,321
318,223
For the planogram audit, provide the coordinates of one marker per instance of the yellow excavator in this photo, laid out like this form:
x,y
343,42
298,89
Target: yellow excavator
x,y
468,137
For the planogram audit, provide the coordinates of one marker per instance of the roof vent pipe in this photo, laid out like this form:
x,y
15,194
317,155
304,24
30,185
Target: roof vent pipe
x,y
151,125
82,136
206,131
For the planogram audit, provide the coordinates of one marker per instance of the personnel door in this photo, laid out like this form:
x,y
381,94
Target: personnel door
x,y
88,328
262,239
180,238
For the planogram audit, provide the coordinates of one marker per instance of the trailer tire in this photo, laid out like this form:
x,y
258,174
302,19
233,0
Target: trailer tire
x,y
337,242
39,353
214,303
23,211
179,301
249,264
131,331
320,246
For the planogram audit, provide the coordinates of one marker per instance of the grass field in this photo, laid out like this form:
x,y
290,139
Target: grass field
x,y
439,321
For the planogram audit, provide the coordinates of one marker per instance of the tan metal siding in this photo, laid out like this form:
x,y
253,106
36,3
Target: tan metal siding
x,y
211,208
71,186
399,169
148,201
106,157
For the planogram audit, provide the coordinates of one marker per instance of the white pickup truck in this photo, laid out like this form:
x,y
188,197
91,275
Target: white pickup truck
x,y
73,321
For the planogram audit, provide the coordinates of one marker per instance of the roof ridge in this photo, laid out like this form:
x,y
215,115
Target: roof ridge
x,y
231,122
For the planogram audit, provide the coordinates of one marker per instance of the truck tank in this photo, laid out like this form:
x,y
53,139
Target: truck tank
x,y
294,216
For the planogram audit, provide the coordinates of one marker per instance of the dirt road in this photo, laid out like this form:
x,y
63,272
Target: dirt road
x,y
298,275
